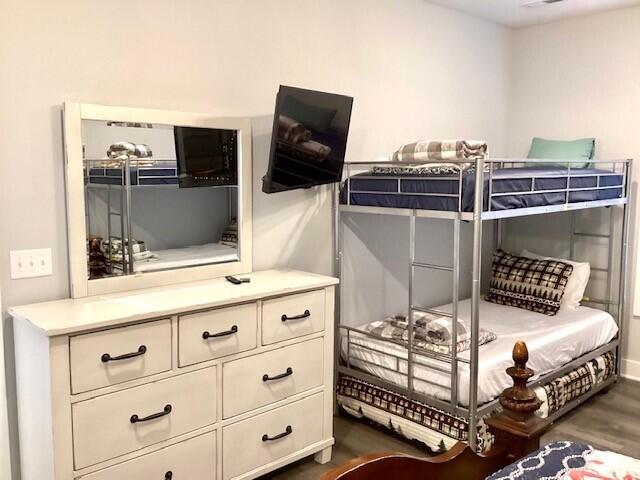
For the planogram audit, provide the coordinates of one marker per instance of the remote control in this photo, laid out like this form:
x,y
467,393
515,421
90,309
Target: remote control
x,y
237,281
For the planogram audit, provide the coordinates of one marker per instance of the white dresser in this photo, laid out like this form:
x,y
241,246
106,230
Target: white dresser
x,y
197,381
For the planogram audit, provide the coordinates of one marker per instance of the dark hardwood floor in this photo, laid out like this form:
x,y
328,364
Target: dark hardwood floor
x,y
609,421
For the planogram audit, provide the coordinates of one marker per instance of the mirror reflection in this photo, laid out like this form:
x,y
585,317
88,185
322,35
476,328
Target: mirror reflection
x,y
158,197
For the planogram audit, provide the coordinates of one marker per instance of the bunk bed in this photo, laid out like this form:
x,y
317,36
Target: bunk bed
x,y
119,178
107,172
440,398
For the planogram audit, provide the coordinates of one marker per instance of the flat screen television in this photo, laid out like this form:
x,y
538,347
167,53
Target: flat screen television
x,y
309,139
206,157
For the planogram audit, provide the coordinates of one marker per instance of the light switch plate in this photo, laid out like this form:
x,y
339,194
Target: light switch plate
x,y
30,263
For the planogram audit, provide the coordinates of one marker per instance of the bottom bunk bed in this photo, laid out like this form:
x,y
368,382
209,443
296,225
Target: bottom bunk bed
x,y
440,430
195,255
515,456
555,343
145,261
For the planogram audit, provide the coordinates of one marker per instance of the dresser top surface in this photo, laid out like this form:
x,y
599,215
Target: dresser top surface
x,y
69,316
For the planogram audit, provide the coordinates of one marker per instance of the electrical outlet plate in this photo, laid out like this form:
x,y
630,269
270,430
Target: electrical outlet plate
x,y
30,263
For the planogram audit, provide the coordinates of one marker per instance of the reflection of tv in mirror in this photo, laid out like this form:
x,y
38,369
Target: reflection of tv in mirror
x,y
309,139
206,157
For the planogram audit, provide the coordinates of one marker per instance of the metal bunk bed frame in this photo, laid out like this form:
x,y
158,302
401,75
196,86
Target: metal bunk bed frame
x,y
474,411
124,211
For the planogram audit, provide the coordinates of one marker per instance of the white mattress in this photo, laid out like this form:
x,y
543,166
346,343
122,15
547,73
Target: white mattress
x,y
552,341
188,257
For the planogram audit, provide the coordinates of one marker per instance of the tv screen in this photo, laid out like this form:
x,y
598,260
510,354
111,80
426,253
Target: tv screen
x,y
309,139
206,157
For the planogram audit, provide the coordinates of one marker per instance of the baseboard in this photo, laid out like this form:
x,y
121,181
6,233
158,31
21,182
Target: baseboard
x,y
631,369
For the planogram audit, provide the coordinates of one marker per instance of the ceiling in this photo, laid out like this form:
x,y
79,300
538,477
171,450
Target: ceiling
x,y
512,14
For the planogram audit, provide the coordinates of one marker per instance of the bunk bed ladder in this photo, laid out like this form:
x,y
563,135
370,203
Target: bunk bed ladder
x,y
454,269
114,213
110,214
475,304
615,307
575,235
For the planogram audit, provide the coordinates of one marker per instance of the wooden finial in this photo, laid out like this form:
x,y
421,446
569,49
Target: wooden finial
x,y
519,401
517,428
520,354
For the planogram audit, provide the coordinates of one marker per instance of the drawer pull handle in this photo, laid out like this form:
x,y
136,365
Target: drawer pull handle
x,y
288,431
165,411
108,358
306,314
267,378
168,475
207,335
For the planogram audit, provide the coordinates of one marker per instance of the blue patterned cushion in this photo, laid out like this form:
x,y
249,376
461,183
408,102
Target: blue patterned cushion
x,y
549,463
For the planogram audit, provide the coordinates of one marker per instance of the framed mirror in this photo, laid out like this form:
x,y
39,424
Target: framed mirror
x,y
155,197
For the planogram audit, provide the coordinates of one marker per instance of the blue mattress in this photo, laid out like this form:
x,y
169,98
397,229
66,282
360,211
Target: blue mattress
x,y
140,176
421,192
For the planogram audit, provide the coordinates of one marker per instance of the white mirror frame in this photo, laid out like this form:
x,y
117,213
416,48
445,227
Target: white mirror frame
x,y
81,286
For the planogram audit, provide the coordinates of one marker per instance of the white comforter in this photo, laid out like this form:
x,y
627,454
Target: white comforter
x,y
188,257
552,342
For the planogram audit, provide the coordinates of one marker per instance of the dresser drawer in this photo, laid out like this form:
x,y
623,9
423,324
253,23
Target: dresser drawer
x,y
292,316
265,378
193,459
216,333
271,436
108,426
114,356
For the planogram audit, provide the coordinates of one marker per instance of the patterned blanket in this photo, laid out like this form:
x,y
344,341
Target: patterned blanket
x,y
139,154
577,382
230,234
122,150
292,131
426,169
439,150
431,333
571,461
440,430
401,413
435,151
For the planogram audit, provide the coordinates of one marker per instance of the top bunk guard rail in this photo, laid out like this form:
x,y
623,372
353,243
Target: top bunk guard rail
x,y
565,170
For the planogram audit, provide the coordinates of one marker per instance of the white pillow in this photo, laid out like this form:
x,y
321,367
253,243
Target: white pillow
x,y
577,283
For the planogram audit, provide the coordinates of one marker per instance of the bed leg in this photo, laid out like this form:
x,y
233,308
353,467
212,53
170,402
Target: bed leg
x,y
323,456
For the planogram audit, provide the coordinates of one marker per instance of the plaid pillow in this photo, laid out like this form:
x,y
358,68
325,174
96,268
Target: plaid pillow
x,y
533,284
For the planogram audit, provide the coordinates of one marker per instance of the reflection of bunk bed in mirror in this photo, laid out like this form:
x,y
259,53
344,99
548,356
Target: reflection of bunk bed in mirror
x,y
440,398
156,173
124,255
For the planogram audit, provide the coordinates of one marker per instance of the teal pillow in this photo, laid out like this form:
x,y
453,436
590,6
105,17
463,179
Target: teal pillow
x,y
582,149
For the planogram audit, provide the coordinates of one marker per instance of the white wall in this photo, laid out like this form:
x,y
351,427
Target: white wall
x,y
579,78
415,70
375,269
